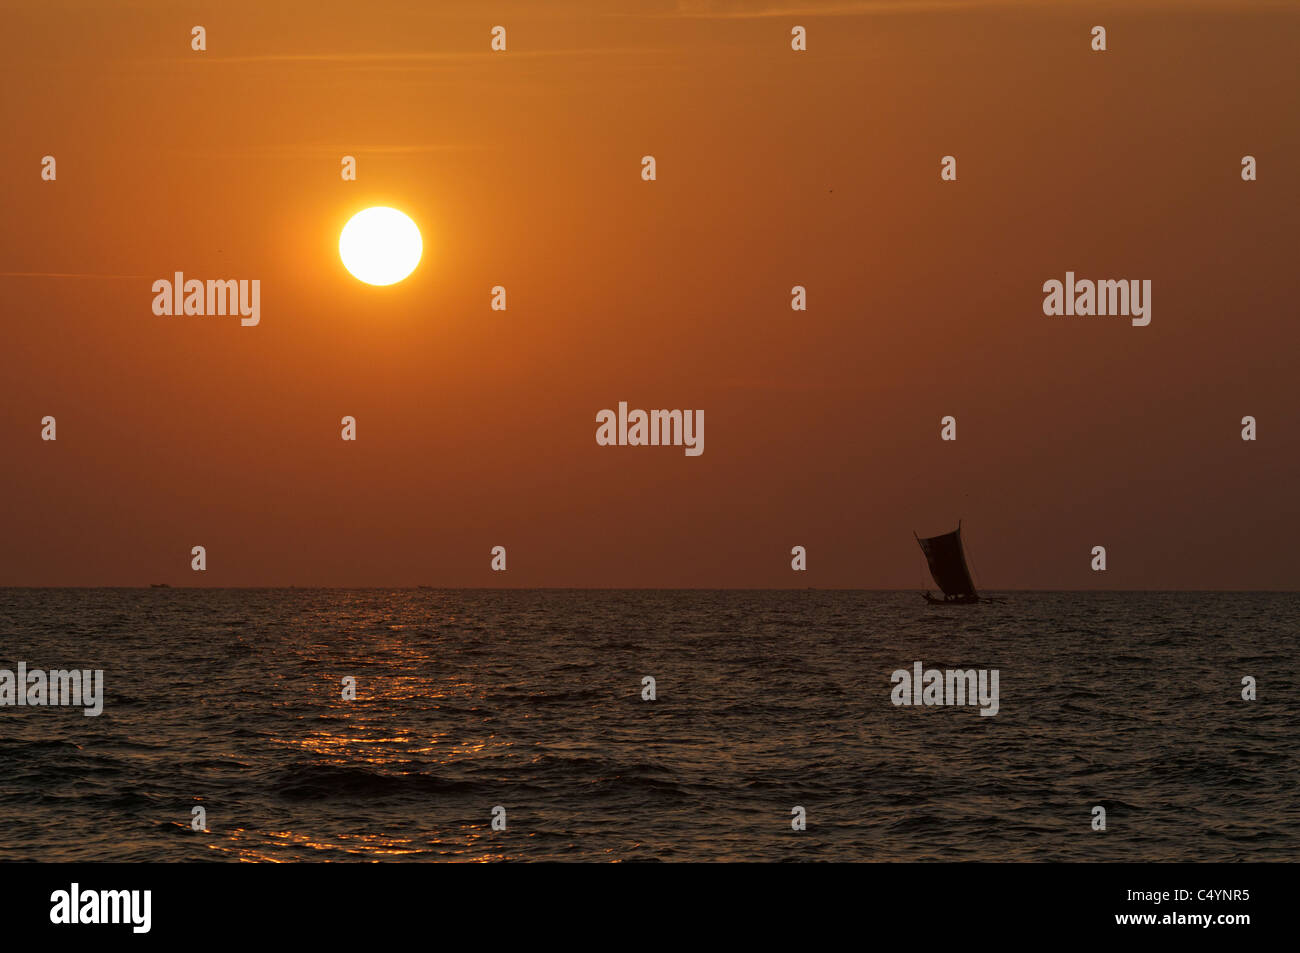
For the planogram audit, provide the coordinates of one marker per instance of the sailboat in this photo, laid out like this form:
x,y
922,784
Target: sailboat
x,y
947,563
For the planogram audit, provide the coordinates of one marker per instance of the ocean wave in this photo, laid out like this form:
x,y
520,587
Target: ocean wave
x,y
301,782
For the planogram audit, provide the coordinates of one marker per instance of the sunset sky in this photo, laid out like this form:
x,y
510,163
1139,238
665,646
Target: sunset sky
x,y
775,168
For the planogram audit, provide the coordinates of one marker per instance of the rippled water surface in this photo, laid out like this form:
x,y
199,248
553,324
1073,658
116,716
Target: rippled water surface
x,y
468,699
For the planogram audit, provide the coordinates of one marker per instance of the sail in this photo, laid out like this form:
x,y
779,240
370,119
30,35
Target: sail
x,y
948,563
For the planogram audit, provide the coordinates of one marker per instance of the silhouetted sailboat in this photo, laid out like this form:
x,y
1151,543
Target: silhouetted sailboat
x,y
947,563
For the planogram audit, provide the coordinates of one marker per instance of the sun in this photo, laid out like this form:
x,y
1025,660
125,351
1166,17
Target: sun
x,y
380,245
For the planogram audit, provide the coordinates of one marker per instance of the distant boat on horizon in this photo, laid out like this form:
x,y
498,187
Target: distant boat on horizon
x,y
947,561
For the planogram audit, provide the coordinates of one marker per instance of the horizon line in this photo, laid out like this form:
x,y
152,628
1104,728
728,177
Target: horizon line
x,y
418,587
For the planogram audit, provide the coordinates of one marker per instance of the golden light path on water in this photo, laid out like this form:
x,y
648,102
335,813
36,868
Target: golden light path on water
x,y
355,740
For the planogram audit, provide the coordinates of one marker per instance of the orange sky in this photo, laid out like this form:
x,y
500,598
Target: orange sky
x,y
476,428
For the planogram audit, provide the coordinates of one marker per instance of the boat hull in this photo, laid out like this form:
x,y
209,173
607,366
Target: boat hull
x,y
954,601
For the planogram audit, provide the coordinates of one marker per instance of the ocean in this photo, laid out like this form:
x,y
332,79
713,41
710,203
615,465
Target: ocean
x,y
527,706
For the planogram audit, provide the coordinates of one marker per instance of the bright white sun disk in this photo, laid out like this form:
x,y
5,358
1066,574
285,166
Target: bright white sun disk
x,y
380,245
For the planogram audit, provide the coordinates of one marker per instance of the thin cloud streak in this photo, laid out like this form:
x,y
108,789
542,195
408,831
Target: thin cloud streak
x,y
710,10
707,11
62,274
317,149
366,60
